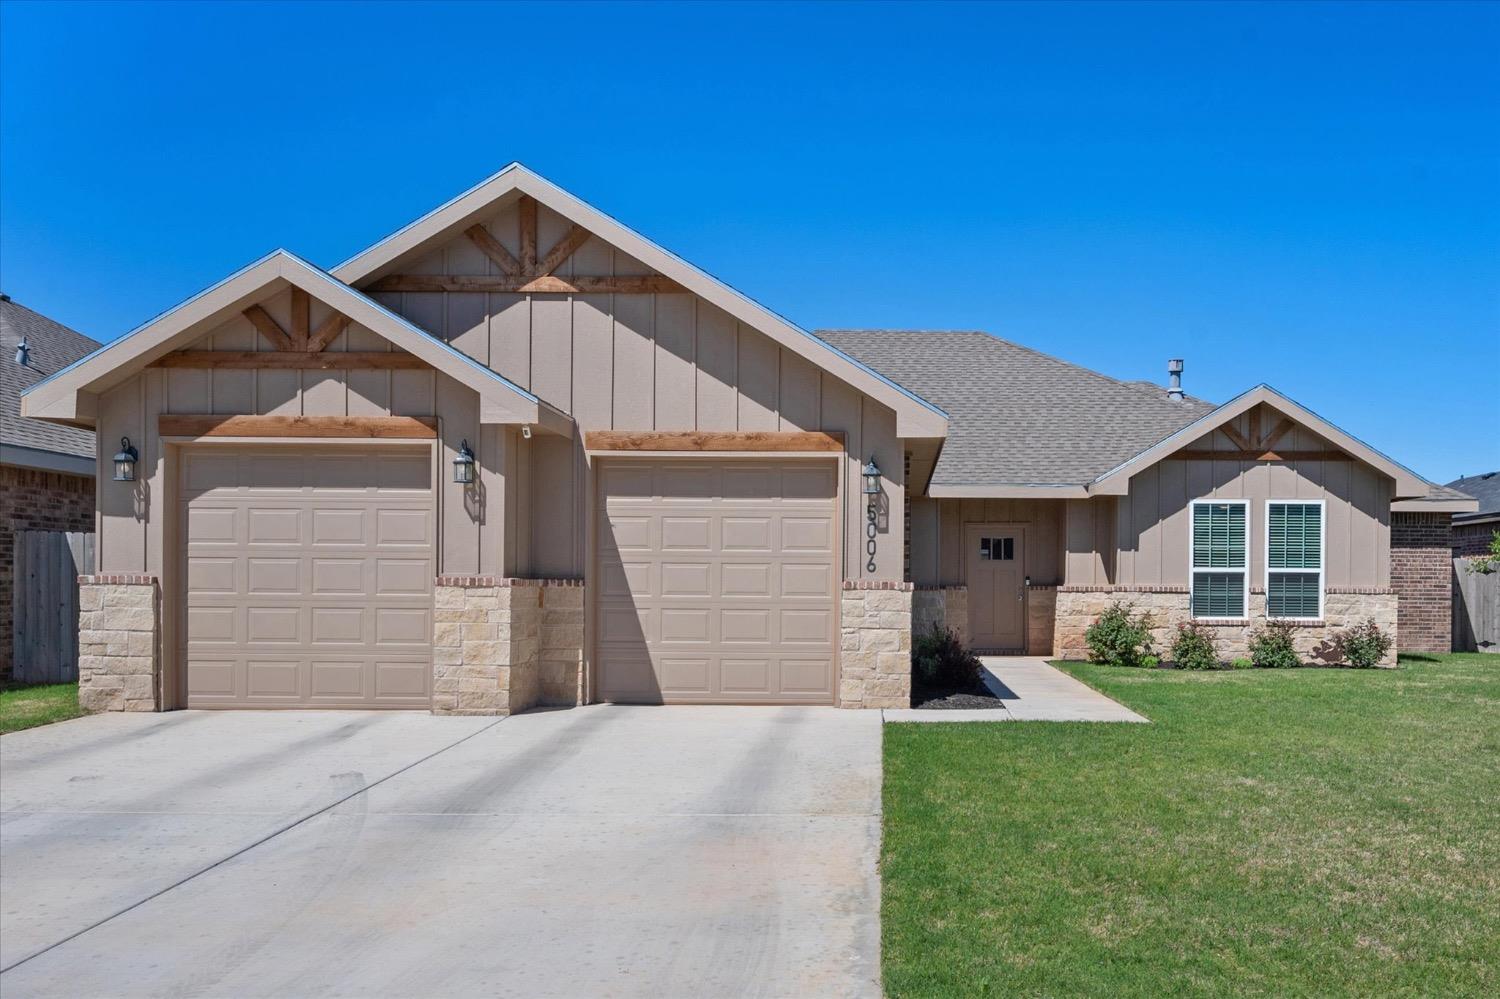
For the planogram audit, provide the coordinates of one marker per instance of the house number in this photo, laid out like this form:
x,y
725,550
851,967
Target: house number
x,y
870,533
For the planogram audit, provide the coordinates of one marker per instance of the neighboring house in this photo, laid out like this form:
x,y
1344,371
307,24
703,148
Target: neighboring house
x,y
517,454
1472,531
46,470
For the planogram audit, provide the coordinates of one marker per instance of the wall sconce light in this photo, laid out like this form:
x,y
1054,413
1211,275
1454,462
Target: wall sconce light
x,y
125,462
463,465
871,474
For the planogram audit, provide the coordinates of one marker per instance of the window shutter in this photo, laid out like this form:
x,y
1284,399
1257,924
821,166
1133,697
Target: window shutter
x,y
1219,594
1218,536
1296,536
1292,594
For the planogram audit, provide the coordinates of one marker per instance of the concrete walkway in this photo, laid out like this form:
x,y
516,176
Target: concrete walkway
x,y
1031,690
603,850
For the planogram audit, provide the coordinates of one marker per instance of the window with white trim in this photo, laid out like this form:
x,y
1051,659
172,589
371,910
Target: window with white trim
x,y
1219,558
1294,559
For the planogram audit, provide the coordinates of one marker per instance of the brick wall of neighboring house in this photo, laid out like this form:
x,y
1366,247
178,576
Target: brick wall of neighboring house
x,y
31,500
1422,576
1473,539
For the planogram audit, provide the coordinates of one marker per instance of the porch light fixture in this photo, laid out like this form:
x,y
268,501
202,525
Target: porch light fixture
x,y
125,462
463,465
871,473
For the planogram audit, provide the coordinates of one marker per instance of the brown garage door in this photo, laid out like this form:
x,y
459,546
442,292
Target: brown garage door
x,y
308,577
717,581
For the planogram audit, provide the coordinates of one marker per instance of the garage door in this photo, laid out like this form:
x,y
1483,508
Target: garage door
x,y
717,581
308,577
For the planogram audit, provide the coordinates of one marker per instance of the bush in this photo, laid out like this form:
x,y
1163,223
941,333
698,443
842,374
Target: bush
x,y
1363,645
1271,646
1193,648
1120,638
939,659
1241,663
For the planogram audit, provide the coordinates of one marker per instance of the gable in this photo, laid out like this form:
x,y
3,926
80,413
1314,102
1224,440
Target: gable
x,y
664,359
1261,426
315,313
506,254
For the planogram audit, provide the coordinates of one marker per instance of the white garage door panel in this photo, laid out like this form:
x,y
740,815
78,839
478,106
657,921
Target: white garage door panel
x,y
717,581
308,577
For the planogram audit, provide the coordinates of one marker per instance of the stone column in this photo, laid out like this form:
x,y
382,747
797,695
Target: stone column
x,y
484,648
875,645
560,666
1041,619
119,638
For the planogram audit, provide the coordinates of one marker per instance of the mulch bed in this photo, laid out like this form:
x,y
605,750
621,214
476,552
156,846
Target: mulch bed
x,y
951,698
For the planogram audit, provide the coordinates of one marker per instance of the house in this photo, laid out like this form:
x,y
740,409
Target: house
x,y
517,454
46,470
1472,531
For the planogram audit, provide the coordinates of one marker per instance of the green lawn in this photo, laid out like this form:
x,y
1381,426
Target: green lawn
x,y
1300,832
41,704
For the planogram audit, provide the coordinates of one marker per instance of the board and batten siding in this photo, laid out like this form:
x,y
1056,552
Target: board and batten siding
x,y
1152,521
130,516
937,537
640,362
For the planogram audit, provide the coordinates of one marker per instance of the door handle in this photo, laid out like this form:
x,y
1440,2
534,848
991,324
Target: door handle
x,y
1021,593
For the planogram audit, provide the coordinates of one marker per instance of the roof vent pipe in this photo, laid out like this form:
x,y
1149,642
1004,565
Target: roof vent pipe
x,y
23,353
1174,379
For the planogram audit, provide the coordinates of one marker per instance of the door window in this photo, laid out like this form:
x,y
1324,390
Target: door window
x,y
997,549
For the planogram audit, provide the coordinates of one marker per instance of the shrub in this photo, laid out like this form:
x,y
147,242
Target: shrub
x,y
1363,645
1241,663
939,659
1120,638
1486,563
1193,648
1271,646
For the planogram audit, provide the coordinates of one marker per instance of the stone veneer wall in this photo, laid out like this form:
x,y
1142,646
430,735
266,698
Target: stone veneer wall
x,y
1079,606
118,642
944,606
1041,619
560,663
1422,576
503,645
875,646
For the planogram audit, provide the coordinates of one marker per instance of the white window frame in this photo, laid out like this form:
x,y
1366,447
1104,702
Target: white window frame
x,y
1194,571
1322,506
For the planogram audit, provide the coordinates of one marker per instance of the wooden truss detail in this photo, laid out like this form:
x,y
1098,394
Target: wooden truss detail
x,y
300,339
529,274
292,360
1256,446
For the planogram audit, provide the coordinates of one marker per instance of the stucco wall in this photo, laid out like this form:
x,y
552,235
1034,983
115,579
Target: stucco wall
x,y
641,362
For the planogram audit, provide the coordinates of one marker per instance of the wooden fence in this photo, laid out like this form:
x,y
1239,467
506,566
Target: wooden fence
x,y
1476,609
45,604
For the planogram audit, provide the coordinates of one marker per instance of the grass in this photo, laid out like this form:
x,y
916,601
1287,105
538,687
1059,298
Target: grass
x,y
37,704
1287,833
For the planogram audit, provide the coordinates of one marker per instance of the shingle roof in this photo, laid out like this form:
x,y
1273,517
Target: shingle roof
x,y
51,347
1484,487
1018,416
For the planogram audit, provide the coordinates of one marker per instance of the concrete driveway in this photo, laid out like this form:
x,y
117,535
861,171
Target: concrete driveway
x,y
596,851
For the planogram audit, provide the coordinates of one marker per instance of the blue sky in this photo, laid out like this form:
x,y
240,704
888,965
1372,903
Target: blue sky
x,y
1303,195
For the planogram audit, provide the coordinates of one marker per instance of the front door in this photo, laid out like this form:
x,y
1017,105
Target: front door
x,y
997,587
